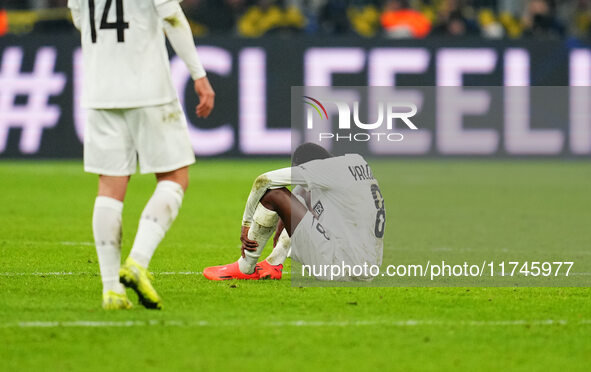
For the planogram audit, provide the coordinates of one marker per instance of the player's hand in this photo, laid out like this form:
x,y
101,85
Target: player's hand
x,y
247,244
206,97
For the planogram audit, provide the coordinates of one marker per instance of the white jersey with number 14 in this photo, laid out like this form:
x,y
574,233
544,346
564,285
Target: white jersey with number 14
x,y
124,52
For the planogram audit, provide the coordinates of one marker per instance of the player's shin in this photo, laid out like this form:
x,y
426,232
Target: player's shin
x,y
281,250
263,226
156,219
106,226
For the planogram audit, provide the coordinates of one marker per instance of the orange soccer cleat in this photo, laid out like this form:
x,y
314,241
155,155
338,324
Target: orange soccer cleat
x,y
268,271
228,272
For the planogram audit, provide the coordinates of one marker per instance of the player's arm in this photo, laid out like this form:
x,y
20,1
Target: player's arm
x,y
179,34
75,10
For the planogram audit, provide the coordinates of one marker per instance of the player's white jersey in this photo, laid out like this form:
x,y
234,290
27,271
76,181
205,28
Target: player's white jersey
x,y
347,200
124,52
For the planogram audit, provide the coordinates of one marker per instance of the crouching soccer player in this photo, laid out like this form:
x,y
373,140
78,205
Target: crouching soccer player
x,y
134,114
335,216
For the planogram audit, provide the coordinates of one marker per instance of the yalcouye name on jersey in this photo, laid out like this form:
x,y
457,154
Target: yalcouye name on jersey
x,y
361,172
387,112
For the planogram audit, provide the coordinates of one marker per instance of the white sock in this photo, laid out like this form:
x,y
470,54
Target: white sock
x,y
106,227
281,250
156,219
263,224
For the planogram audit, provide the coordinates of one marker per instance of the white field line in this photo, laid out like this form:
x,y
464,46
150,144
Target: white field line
x,y
55,273
293,323
81,273
77,243
45,242
67,273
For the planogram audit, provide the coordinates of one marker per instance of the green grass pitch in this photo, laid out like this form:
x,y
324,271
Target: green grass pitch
x,y
50,315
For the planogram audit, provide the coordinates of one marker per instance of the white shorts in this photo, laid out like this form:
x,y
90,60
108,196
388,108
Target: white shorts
x,y
157,136
311,243
316,244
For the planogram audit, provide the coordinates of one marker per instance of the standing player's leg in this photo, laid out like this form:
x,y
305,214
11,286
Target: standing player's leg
x,y
159,214
163,147
157,217
106,226
109,152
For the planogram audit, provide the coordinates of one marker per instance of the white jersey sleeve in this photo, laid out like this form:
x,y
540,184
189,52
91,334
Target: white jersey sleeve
x,y
74,6
178,32
125,61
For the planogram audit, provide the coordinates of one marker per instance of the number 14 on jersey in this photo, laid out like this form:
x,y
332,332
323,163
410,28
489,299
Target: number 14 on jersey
x,y
119,25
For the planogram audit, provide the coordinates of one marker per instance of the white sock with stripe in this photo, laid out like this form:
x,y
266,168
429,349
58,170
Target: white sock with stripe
x,y
263,225
156,219
281,250
106,227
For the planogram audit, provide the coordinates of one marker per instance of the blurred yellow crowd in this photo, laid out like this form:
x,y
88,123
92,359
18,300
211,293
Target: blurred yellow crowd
x,y
390,18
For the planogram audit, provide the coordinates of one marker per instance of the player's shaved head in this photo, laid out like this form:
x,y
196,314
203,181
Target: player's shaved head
x,y
307,152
